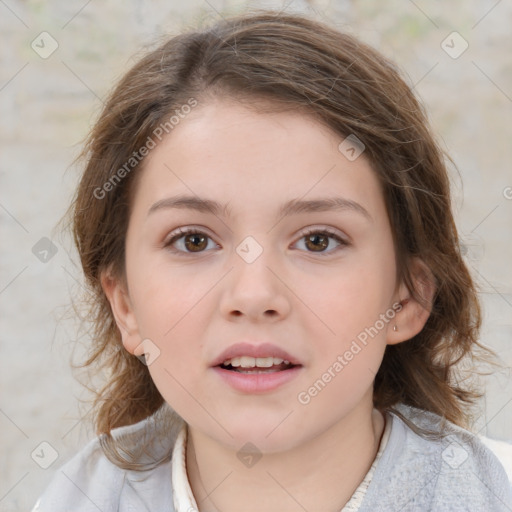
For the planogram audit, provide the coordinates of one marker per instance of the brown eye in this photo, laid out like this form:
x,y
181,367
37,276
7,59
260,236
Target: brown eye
x,y
195,242
317,242
188,241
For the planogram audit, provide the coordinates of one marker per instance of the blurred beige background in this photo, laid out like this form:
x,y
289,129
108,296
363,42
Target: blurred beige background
x,y
48,101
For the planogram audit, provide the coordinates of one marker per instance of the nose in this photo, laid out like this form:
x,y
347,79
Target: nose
x,y
256,289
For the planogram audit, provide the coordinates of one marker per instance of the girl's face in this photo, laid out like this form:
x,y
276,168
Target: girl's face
x,y
289,251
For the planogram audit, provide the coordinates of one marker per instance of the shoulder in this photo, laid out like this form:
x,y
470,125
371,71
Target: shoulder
x,y
88,481
450,470
91,482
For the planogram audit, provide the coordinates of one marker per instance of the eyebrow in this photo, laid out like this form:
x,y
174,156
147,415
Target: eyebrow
x,y
294,206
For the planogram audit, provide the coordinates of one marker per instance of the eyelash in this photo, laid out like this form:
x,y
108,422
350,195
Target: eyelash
x,y
182,232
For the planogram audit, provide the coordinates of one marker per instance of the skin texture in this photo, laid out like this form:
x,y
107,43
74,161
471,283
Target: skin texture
x,y
312,303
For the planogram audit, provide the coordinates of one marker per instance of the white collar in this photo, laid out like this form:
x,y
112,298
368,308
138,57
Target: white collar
x,y
183,498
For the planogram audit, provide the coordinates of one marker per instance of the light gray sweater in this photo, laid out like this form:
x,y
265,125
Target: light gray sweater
x,y
415,474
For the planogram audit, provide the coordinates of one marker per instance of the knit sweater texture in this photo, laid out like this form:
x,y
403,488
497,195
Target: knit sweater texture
x,y
455,473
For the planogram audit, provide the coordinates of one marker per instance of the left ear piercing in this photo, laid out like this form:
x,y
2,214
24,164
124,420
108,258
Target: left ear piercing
x,y
395,328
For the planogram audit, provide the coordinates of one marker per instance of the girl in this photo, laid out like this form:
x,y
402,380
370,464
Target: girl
x,y
264,219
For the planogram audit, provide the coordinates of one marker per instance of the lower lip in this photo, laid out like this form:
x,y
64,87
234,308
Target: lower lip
x,y
257,382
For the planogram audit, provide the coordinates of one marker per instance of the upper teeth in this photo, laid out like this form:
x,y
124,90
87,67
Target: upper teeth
x,y
252,362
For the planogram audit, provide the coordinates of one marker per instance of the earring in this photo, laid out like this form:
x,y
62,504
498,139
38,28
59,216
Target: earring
x,y
395,328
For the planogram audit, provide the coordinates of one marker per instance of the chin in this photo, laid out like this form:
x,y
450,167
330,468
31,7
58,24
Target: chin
x,y
268,436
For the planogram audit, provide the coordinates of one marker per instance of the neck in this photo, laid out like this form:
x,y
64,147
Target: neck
x,y
332,464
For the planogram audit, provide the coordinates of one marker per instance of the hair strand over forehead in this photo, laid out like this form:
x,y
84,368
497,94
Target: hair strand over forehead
x,y
284,62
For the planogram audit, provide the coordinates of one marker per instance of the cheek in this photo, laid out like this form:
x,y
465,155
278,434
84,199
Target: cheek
x,y
171,322
165,296
351,297
351,336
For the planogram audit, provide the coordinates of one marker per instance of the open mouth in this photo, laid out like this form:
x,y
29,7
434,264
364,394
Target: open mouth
x,y
251,375
251,365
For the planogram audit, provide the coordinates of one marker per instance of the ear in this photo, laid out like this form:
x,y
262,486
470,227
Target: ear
x,y
413,315
117,294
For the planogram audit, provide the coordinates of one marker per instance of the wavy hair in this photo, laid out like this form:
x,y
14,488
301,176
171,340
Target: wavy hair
x,y
289,62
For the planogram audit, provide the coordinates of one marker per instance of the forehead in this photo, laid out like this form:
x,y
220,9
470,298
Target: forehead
x,y
232,154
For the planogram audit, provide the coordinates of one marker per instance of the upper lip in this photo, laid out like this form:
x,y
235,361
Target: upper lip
x,y
254,350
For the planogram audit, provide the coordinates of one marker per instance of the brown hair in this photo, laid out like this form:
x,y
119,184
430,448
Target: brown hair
x,y
291,62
